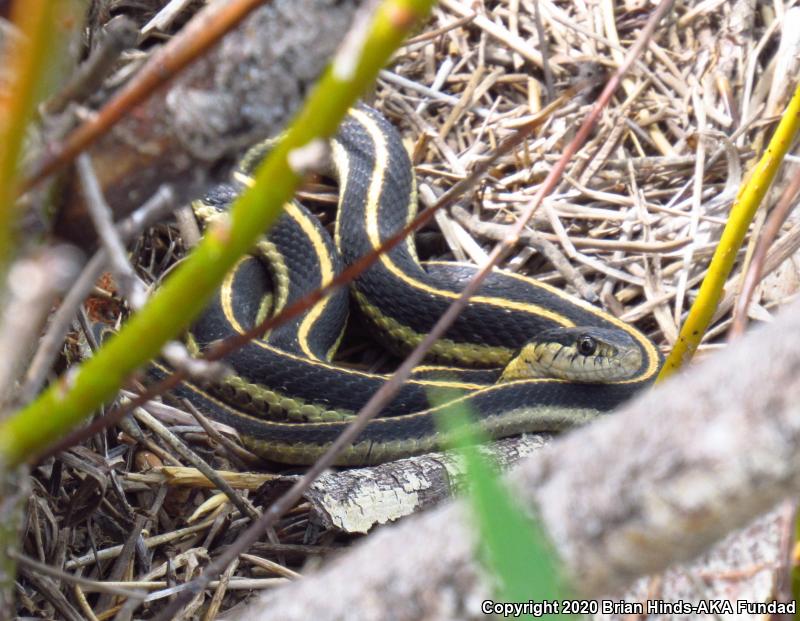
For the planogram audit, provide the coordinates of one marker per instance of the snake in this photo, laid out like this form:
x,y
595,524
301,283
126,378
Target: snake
x,y
523,356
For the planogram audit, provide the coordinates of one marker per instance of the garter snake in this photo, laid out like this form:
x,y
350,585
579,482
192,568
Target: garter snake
x,y
289,400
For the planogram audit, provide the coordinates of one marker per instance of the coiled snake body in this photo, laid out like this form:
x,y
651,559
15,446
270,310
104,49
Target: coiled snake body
x,y
290,401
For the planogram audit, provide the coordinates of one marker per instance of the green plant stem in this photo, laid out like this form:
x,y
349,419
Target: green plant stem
x,y
74,396
741,215
36,20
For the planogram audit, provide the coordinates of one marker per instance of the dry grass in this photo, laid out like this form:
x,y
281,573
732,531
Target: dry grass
x,y
639,211
632,225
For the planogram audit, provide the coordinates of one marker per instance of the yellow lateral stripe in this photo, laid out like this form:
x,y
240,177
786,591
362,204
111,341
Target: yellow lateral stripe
x,y
280,273
271,251
342,165
373,201
326,274
269,396
647,345
325,264
227,309
444,349
399,418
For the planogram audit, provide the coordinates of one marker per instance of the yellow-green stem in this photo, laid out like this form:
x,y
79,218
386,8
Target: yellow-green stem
x,y
79,392
35,20
741,215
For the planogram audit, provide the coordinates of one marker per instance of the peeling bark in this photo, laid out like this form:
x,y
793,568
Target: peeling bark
x,y
355,500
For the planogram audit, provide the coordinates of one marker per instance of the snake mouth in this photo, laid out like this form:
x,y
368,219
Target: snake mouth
x,y
583,354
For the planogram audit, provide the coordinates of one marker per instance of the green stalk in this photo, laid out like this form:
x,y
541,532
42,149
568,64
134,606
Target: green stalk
x,y
36,21
30,58
173,307
741,216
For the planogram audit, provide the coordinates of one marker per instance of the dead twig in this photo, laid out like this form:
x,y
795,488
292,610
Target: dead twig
x,y
181,449
222,349
127,280
772,227
32,286
153,210
205,29
119,34
389,389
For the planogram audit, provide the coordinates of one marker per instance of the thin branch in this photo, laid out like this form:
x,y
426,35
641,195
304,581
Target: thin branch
x,y
119,34
65,404
162,20
652,485
742,212
548,249
153,210
241,456
514,42
389,388
130,285
204,30
32,287
184,451
769,233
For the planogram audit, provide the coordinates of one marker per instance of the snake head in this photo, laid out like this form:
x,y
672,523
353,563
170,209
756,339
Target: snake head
x,y
581,354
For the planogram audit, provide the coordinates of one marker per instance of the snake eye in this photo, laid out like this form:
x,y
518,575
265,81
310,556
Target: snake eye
x,y
586,345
